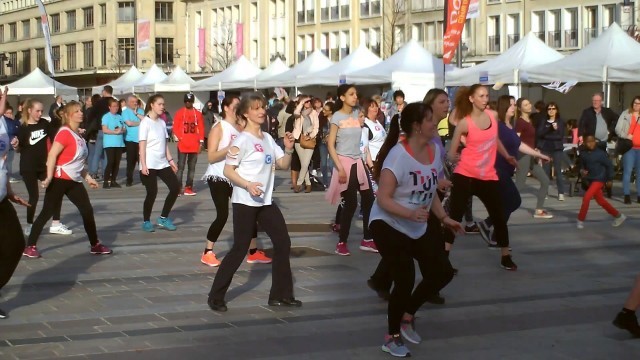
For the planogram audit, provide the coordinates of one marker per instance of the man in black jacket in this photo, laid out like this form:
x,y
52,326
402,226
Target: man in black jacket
x,y
597,120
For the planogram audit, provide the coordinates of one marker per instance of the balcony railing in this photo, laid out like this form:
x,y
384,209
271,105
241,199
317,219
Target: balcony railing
x,y
494,43
301,56
301,17
540,35
571,38
554,39
589,35
311,16
512,39
324,14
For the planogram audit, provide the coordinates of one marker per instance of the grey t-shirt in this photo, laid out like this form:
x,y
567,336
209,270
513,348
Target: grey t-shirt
x,y
602,133
349,134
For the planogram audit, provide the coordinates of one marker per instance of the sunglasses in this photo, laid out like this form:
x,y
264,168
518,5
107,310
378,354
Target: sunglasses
x,y
636,103
551,108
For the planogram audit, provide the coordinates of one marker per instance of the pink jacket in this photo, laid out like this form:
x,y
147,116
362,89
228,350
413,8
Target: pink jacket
x,y
297,126
335,188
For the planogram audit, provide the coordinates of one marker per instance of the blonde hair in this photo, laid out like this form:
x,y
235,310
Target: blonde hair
x,y
28,105
67,110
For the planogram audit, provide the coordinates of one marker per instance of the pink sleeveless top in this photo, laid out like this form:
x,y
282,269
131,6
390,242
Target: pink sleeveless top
x,y
478,158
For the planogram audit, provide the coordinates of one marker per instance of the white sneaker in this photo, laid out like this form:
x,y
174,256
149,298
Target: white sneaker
x,y
14,180
27,230
619,220
560,197
580,224
60,229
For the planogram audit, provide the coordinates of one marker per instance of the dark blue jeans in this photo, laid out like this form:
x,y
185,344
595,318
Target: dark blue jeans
x,y
509,195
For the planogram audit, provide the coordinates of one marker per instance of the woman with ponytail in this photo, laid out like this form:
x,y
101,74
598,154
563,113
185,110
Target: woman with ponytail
x,y
405,208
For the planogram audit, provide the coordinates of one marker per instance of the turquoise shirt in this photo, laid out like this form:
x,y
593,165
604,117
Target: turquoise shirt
x,y
132,131
112,121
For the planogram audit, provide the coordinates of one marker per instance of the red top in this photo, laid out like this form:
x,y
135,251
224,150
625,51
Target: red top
x,y
69,152
634,130
188,126
527,132
478,158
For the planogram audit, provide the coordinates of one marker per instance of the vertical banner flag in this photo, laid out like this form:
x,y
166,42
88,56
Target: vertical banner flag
x,y
144,32
47,36
202,51
456,16
239,40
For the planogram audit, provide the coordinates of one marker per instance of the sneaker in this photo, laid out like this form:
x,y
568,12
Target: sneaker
x,y
217,305
408,331
507,263
485,232
619,220
166,223
368,245
560,197
629,322
210,259
627,199
116,185
259,257
542,214
31,252
188,191
335,228
106,185
472,229
580,224
342,249
147,226
14,180
60,229
394,346
3,315
129,184
100,249
27,230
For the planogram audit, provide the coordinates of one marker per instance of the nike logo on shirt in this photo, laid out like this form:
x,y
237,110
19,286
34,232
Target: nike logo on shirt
x,y
36,136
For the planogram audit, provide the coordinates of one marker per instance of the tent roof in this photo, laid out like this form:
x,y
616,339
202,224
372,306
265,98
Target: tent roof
x,y
316,61
39,83
272,72
613,48
360,59
231,77
526,54
154,75
411,58
129,77
177,81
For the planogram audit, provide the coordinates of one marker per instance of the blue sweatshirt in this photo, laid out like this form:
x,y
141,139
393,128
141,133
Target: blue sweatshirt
x,y
597,163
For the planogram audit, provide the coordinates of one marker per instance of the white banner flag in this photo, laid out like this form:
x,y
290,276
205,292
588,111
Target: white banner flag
x,y
47,36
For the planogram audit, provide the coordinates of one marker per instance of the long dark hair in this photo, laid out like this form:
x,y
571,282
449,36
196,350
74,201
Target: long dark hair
x,y
342,90
226,102
462,104
432,95
503,105
553,103
152,100
519,105
414,113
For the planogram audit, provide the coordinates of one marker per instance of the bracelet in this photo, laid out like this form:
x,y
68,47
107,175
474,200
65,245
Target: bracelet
x,y
171,160
288,152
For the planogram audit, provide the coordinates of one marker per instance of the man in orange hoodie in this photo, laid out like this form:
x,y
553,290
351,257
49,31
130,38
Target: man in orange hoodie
x,y
188,127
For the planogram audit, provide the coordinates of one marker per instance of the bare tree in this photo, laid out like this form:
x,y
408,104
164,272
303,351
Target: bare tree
x,y
394,16
634,32
223,53
118,61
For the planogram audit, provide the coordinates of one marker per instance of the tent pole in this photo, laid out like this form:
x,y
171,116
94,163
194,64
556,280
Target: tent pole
x,y
605,81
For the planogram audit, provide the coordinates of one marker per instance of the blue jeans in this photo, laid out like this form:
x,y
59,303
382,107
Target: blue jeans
x,y
326,164
558,158
630,160
97,154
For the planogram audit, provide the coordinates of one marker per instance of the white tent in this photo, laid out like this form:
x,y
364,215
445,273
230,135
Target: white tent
x,y
272,72
39,83
361,58
511,67
151,77
177,81
230,78
125,80
316,61
612,49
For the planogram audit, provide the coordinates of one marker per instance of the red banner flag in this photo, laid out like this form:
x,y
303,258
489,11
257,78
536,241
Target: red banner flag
x,y
456,16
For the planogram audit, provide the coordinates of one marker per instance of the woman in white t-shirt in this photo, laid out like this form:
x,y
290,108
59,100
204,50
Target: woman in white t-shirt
x,y
376,129
156,162
407,175
250,166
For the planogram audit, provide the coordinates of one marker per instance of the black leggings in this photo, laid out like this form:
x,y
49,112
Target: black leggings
x,y
398,251
488,192
271,220
150,182
114,155
220,194
31,182
75,192
132,159
12,243
350,203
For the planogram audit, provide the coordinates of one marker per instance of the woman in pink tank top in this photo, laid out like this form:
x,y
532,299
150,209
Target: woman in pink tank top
x,y
475,174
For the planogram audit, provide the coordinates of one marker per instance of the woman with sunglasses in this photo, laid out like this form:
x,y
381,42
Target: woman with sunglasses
x,y
550,141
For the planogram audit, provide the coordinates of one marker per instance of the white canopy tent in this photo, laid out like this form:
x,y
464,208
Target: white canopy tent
x,y
316,61
151,77
39,83
124,81
272,72
361,58
511,67
232,77
177,81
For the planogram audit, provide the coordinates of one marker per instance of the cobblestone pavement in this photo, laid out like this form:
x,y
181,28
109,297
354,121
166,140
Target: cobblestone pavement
x,y
148,300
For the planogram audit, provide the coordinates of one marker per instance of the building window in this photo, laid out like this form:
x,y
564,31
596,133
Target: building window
x,y
40,60
369,8
1,35
571,28
55,54
87,48
55,23
399,37
39,32
71,57
103,14
555,25
513,29
371,38
537,24
71,20
164,11
494,33
13,57
26,61
26,29
306,11
164,50
88,17
125,11
333,10
103,52
609,15
125,51
13,31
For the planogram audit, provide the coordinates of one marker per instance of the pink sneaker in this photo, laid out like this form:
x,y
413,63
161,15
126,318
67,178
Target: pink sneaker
x,y
31,252
368,245
342,249
100,249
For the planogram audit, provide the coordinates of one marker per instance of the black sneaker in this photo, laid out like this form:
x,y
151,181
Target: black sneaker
x,y
507,263
217,305
3,315
106,185
472,229
436,299
129,183
629,322
627,199
485,232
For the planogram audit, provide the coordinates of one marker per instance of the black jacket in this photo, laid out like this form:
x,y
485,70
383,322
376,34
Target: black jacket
x,y
548,138
597,164
587,122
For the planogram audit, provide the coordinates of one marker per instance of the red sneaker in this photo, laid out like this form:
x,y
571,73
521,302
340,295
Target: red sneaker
x,y
210,259
31,252
342,249
368,245
100,249
259,257
188,191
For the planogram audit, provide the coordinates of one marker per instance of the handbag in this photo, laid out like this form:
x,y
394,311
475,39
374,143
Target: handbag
x,y
623,145
307,142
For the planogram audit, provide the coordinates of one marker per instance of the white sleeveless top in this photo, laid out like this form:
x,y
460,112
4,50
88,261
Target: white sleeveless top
x,y
379,135
74,168
215,171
